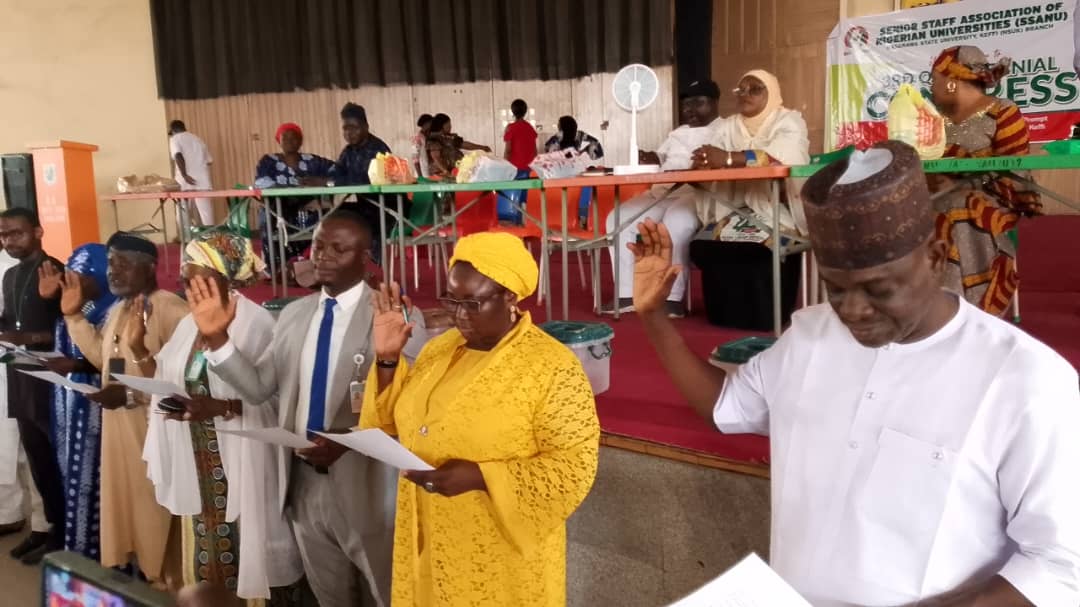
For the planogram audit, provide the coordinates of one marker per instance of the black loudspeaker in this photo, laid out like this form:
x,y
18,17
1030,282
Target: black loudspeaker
x,y
19,188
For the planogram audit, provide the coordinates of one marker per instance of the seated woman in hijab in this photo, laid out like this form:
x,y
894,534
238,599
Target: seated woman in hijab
x,y
291,168
977,213
762,133
506,415
77,420
445,147
221,484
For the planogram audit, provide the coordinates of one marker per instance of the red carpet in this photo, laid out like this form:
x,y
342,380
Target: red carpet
x,y
643,404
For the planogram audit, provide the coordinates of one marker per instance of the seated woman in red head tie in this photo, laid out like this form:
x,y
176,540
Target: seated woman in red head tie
x,y
976,215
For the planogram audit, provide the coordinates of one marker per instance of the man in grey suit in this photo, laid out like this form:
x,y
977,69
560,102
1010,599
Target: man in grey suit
x,y
340,503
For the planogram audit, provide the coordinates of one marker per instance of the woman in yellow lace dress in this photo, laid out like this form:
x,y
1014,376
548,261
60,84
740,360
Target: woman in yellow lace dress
x,y
506,415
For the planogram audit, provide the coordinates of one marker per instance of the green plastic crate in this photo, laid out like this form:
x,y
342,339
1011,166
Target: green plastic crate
x,y
741,350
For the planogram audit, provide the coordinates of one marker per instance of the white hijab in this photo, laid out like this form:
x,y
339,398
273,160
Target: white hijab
x,y
267,552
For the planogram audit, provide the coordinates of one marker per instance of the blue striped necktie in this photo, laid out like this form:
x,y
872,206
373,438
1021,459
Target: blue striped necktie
x,y
320,374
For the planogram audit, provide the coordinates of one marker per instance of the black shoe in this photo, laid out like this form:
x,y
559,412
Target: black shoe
x,y
10,528
34,556
626,305
35,540
675,309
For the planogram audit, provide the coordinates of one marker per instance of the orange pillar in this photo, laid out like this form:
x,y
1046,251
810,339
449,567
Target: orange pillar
x,y
66,196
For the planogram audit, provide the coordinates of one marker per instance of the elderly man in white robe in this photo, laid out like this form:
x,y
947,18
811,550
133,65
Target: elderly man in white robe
x,y
676,208
265,560
923,452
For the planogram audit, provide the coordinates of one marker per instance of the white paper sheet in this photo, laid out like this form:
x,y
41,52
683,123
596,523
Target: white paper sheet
x,y
379,445
60,380
149,385
750,583
275,436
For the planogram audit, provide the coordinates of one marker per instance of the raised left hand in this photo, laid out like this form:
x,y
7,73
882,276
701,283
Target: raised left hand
x,y
454,477
324,453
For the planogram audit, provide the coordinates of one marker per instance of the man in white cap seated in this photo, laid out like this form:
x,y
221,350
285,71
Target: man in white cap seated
x,y
675,208
922,450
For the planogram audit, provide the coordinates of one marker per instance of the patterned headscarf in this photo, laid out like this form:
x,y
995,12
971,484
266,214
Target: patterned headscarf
x,y
229,254
970,64
501,257
92,260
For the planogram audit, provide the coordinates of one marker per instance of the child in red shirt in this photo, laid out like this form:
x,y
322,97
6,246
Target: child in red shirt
x,y
520,138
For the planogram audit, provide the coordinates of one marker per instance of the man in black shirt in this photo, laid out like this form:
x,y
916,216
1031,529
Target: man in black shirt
x,y
30,321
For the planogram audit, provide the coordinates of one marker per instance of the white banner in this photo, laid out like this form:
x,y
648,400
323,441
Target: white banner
x,y
870,57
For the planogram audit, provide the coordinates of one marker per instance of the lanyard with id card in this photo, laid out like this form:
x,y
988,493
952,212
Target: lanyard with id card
x,y
356,386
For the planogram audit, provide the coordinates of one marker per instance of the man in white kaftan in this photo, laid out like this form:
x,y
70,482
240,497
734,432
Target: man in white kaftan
x,y
922,450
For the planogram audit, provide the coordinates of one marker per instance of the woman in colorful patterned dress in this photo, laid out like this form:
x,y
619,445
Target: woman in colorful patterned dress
x,y
76,420
977,212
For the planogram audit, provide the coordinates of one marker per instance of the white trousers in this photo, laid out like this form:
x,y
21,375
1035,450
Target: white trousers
x,y
21,496
677,211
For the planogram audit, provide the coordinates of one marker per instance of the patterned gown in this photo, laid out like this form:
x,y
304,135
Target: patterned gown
x,y
978,213
211,545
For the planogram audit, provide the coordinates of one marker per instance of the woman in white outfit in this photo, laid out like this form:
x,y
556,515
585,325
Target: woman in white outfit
x,y
729,251
676,208
223,485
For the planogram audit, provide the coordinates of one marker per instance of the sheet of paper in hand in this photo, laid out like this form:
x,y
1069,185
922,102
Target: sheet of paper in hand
x,y
750,583
377,444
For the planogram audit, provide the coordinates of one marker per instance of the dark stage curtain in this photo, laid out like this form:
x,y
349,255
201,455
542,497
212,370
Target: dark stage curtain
x,y
693,40
214,48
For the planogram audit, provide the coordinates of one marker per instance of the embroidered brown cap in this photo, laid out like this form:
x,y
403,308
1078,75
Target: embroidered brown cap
x,y
870,208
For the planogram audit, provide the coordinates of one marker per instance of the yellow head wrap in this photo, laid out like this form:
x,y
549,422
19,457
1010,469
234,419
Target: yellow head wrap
x,y
502,258
229,254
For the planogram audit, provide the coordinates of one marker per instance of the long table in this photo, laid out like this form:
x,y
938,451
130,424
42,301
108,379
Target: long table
x,y
775,175
440,222
179,200
274,198
1007,165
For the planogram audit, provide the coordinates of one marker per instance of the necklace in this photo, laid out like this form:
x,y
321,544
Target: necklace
x,y
19,297
979,114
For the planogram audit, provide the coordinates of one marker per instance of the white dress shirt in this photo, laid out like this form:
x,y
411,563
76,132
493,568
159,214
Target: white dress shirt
x,y
906,471
343,312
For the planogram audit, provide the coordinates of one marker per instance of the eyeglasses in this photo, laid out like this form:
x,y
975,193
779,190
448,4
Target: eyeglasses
x,y
752,91
471,306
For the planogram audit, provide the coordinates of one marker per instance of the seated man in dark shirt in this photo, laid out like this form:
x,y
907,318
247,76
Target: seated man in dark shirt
x,y
361,147
29,321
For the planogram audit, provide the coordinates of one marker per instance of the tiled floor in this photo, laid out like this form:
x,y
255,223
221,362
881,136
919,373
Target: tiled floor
x,y
20,585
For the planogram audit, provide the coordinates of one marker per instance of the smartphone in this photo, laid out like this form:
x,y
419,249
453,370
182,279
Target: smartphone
x,y
171,405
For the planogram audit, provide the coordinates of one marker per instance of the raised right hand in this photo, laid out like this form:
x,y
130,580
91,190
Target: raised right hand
x,y
71,297
390,332
49,280
654,273
212,313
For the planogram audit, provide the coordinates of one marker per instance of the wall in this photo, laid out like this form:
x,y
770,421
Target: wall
x,y
785,37
240,129
652,530
83,70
